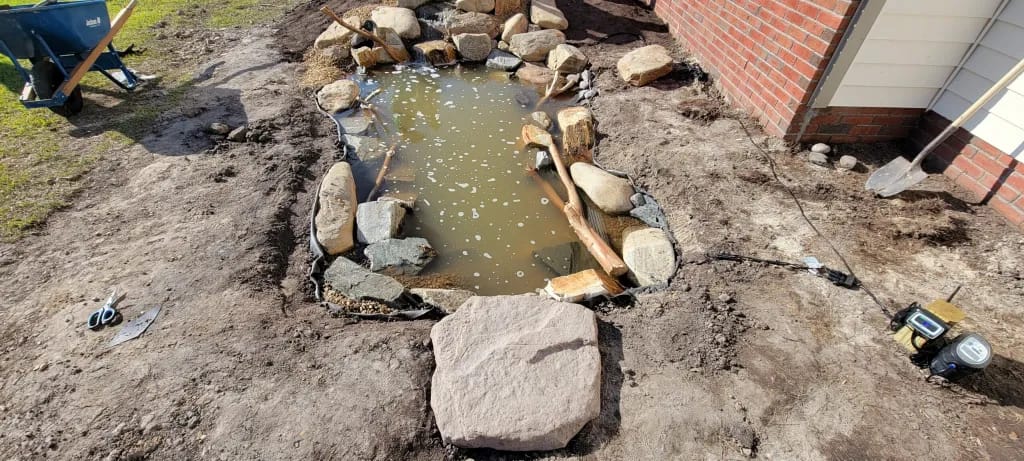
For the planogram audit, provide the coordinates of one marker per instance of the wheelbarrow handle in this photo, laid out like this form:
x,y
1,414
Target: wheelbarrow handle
x,y
80,70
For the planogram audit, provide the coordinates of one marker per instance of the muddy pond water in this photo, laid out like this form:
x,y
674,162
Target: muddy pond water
x,y
459,151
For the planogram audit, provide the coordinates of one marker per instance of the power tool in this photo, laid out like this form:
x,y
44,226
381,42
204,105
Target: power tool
x,y
924,332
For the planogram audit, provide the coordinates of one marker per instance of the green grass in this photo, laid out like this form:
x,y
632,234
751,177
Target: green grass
x,y
40,162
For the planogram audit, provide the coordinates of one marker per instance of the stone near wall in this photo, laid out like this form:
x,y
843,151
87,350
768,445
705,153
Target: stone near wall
x,y
473,47
817,158
502,60
336,218
478,6
446,300
401,20
437,52
546,14
578,136
355,282
537,76
338,96
475,23
649,254
582,286
517,24
535,46
846,162
567,59
821,148
645,65
377,221
609,192
400,256
515,373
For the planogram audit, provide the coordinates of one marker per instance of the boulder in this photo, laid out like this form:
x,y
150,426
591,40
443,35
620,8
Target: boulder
x,y
538,77
473,47
437,52
336,219
546,14
394,41
517,24
515,373
364,147
406,199
377,221
821,148
400,256
581,286
364,57
567,59
478,6
401,20
338,96
446,300
846,162
502,60
505,9
817,158
535,46
609,192
541,119
335,35
475,23
355,282
649,254
645,65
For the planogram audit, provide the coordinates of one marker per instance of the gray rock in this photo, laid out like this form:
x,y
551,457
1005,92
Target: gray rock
x,y
356,124
650,214
817,158
400,256
336,219
355,282
238,134
446,300
846,162
475,23
364,147
545,13
516,373
338,96
473,47
544,160
609,192
378,221
541,119
406,199
502,60
401,20
649,254
535,46
218,128
821,148
638,199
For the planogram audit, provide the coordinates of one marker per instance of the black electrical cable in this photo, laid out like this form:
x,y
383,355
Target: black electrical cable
x,y
775,174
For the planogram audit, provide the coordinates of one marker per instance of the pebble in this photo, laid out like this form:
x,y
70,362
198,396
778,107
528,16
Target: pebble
x,y
720,338
725,297
821,148
238,134
218,128
818,158
847,162
118,430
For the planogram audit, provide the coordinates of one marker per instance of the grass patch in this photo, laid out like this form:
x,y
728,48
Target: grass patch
x,y
40,162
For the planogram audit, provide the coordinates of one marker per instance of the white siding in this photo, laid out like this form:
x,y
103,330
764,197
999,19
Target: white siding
x,y
1001,121
910,51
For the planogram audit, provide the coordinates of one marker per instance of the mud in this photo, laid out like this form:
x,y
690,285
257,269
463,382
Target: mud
x,y
241,364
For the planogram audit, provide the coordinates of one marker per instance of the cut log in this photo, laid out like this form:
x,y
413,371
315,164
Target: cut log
x,y
578,136
605,256
505,9
582,286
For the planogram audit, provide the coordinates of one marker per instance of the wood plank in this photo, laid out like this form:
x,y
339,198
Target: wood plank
x,y
582,286
80,70
927,28
911,52
961,8
897,75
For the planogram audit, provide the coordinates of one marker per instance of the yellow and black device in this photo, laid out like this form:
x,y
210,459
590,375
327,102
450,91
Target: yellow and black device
x,y
923,332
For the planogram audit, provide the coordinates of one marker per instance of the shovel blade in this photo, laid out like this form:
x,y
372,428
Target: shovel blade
x,y
895,177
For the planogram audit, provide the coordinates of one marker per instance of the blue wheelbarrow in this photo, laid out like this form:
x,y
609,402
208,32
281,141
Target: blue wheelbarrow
x,y
63,41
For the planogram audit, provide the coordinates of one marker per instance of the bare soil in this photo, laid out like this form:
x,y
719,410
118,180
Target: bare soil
x,y
242,364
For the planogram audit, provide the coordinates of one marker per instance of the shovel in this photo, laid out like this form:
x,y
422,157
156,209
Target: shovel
x,y
899,174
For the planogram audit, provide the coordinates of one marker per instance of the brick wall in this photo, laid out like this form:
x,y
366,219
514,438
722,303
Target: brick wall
x,y
994,177
860,124
766,55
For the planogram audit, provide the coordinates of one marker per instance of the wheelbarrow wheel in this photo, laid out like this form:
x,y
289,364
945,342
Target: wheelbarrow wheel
x,y
46,78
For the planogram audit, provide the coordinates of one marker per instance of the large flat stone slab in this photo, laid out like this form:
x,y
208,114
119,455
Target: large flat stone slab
x,y
517,373
355,282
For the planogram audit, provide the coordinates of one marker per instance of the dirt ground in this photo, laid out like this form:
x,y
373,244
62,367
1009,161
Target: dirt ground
x,y
242,364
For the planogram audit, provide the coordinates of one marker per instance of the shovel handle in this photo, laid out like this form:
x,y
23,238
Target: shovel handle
x,y
984,99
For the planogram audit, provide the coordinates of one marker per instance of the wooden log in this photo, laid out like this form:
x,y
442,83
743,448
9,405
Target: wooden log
x,y
578,137
398,57
548,190
505,9
582,286
383,172
573,209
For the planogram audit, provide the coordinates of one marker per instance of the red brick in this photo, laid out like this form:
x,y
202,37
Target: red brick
x,y
1007,193
1014,214
969,184
969,168
986,163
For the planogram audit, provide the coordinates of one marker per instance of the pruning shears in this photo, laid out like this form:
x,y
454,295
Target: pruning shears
x,y
106,315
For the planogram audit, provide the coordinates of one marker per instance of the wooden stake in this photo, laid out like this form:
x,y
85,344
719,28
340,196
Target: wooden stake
x,y
383,172
548,190
327,10
605,256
